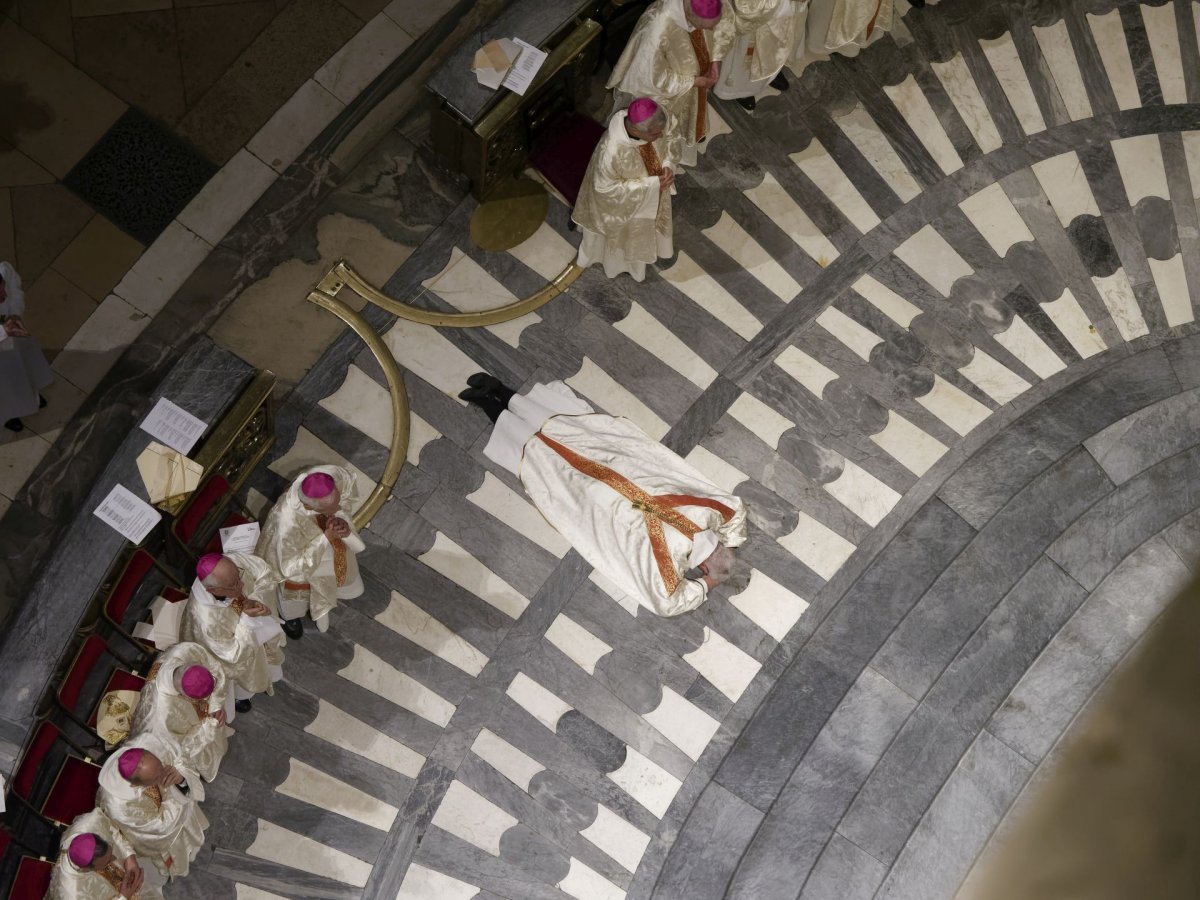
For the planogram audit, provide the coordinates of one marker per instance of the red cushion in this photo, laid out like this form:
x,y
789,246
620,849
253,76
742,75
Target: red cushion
x,y
173,595
74,791
120,680
85,661
205,498
131,576
35,754
562,150
33,879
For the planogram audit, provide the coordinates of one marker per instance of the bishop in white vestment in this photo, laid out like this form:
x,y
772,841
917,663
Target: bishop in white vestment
x,y
841,26
640,514
95,862
624,205
766,34
23,367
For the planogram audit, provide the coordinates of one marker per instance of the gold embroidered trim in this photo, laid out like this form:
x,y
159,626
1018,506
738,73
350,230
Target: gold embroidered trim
x,y
703,61
339,552
154,794
115,876
650,159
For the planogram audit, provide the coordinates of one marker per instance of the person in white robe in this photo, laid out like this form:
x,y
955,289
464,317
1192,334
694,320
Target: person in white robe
x,y
764,43
841,26
152,796
624,205
309,538
232,613
674,58
95,862
23,367
640,514
184,703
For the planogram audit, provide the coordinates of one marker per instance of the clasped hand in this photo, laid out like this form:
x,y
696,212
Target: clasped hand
x,y
337,528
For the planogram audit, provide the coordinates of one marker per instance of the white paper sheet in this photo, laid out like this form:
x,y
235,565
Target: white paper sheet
x,y
521,75
128,514
174,426
163,627
240,538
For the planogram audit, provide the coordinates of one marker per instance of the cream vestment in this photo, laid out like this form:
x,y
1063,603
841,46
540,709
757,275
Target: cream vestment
x,y
766,39
69,882
841,26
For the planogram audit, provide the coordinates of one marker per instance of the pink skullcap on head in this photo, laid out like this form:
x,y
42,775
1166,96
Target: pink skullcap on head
x,y
128,762
317,485
206,564
197,682
642,109
707,9
83,850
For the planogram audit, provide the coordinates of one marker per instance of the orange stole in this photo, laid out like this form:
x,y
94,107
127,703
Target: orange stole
x,y
655,510
650,159
703,61
339,551
115,876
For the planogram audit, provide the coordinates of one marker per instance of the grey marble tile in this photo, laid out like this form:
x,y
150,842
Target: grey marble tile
x,y
1184,356
1184,537
843,872
1147,437
448,853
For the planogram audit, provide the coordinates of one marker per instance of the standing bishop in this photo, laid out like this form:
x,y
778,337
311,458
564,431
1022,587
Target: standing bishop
x,y
97,863
310,539
842,26
231,613
766,39
142,790
674,57
184,704
624,205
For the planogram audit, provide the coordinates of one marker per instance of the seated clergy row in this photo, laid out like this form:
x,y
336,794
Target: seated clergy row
x,y
679,51
148,825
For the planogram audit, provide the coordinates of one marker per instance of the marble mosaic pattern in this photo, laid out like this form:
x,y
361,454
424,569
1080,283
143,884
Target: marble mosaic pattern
x,y
931,317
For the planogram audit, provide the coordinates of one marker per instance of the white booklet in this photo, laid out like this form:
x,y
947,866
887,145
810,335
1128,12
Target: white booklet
x,y
240,538
174,426
128,514
522,72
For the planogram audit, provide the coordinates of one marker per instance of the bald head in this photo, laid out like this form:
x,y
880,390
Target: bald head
x,y
649,129
224,580
149,771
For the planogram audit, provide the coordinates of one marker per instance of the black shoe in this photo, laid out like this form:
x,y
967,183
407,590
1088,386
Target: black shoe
x,y
294,629
14,425
747,103
780,82
917,4
485,381
475,394
242,706
41,402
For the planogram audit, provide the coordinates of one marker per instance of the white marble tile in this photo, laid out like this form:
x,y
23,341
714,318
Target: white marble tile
x,y
700,287
584,883
258,503
1142,170
908,444
964,94
1114,53
716,470
716,127
1191,148
451,560
423,351
1117,294
545,251
993,377
862,493
309,450
379,677
513,764
862,131
163,268
63,400
540,703
1002,54
778,206
929,255
472,817
760,418
319,789
19,456
914,106
500,501
410,621
228,195
749,255
1172,286
596,385
1023,342
994,215
343,730
856,336
806,370
245,892
1063,179
580,646
623,842
364,404
887,301
1055,41
99,343
769,605
469,287
295,125
824,172
420,433
1069,317
421,883
277,844
1163,33
959,410
363,58
619,597
727,667
646,782
645,330
817,546
683,723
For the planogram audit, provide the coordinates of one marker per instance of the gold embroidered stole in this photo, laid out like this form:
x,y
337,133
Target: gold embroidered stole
x,y
115,876
339,551
650,159
155,794
703,61
655,510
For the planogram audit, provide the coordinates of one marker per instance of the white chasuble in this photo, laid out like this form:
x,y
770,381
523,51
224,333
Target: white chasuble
x,y
69,882
765,41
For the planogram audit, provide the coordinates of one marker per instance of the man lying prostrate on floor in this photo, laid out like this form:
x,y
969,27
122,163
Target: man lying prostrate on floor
x,y
231,613
95,862
309,537
183,703
152,797
640,514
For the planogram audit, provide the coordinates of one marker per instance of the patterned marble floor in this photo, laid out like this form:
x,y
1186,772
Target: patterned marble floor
x,y
931,317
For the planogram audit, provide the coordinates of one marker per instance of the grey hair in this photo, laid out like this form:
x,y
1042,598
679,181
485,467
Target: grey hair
x,y
658,120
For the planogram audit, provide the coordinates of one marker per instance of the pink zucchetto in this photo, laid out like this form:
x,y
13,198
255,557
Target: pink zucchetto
x,y
317,485
197,682
706,9
642,109
83,850
128,762
206,564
